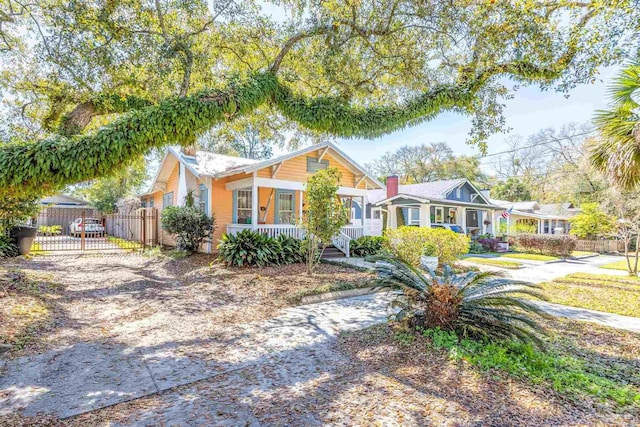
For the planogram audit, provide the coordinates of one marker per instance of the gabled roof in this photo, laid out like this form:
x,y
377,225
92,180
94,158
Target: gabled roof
x,y
428,191
250,168
214,165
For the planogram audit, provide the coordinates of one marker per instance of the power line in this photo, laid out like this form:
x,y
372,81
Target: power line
x,y
537,144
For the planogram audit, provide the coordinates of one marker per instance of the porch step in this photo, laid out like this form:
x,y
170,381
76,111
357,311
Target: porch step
x,y
332,252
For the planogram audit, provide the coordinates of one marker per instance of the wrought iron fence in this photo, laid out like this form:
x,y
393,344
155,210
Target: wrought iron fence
x,y
71,229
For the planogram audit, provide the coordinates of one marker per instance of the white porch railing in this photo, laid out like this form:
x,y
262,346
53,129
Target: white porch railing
x,y
353,231
271,230
341,241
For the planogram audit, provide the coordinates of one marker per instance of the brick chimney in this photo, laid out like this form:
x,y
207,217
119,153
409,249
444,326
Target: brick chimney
x,y
392,185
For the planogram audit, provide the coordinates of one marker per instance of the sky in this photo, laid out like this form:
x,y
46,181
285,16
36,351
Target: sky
x,y
530,111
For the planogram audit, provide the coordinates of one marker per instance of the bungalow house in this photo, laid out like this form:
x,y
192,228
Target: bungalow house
x,y
267,196
539,218
61,209
455,201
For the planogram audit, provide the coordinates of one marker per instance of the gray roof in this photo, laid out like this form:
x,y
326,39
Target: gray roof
x,y
209,164
435,190
562,209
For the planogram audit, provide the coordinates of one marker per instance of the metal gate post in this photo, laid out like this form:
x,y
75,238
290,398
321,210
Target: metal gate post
x,y
84,226
143,218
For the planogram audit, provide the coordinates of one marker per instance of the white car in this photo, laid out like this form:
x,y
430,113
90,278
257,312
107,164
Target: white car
x,y
453,227
91,227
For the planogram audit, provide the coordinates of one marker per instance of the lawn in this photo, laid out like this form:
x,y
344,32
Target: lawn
x,y
494,262
589,375
612,294
619,265
531,257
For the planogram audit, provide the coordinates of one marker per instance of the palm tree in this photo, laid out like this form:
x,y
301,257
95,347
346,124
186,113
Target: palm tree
x,y
617,152
472,304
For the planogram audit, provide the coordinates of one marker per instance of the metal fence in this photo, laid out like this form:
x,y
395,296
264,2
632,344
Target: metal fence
x,y
87,230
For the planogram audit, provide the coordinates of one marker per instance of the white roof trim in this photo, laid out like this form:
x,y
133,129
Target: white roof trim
x,y
266,163
401,196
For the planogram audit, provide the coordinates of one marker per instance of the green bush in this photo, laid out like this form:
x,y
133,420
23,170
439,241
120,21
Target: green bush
x,y
561,245
7,247
409,243
251,248
50,230
291,250
191,226
366,245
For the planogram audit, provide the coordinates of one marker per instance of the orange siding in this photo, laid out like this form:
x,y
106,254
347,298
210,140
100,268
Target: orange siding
x,y
172,183
222,209
296,170
264,194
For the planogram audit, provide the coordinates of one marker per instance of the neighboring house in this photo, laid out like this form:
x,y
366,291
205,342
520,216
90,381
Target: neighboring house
x,y
62,209
263,195
455,201
542,218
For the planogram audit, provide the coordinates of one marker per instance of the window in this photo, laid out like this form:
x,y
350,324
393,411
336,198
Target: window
x,y
285,208
143,204
376,214
414,216
459,193
244,203
314,165
439,217
151,202
204,199
452,216
167,200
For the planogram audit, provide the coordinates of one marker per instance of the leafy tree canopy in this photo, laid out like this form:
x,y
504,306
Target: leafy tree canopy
x,y
512,189
93,85
592,222
427,162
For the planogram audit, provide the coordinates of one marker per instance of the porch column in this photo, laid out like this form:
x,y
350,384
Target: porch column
x,y
492,227
425,215
392,219
300,205
539,227
463,219
208,182
254,205
363,216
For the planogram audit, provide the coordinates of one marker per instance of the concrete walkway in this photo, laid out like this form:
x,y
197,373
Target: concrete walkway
x,y
611,320
88,376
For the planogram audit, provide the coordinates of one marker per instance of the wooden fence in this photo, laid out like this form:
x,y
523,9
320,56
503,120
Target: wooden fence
x,y
600,246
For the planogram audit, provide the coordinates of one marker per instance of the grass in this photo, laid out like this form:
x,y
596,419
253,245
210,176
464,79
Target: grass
x,y
494,262
564,373
619,265
125,244
583,253
612,294
296,298
532,257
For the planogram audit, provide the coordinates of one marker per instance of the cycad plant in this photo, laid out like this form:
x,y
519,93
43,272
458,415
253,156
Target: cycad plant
x,y
472,304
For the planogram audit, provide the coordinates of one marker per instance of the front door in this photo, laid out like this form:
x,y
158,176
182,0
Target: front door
x,y
375,223
472,219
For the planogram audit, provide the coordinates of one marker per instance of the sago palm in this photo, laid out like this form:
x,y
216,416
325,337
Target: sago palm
x,y
617,152
472,304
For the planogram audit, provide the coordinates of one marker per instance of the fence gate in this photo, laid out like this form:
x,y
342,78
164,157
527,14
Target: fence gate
x,y
72,229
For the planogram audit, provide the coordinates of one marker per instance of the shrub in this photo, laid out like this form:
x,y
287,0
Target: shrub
x,y
291,250
409,243
366,245
50,230
489,244
251,248
476,248
546,244
471,304
191,226
7,247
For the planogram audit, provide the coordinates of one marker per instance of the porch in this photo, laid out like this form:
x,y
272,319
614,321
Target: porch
x,y
473,220
275,207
